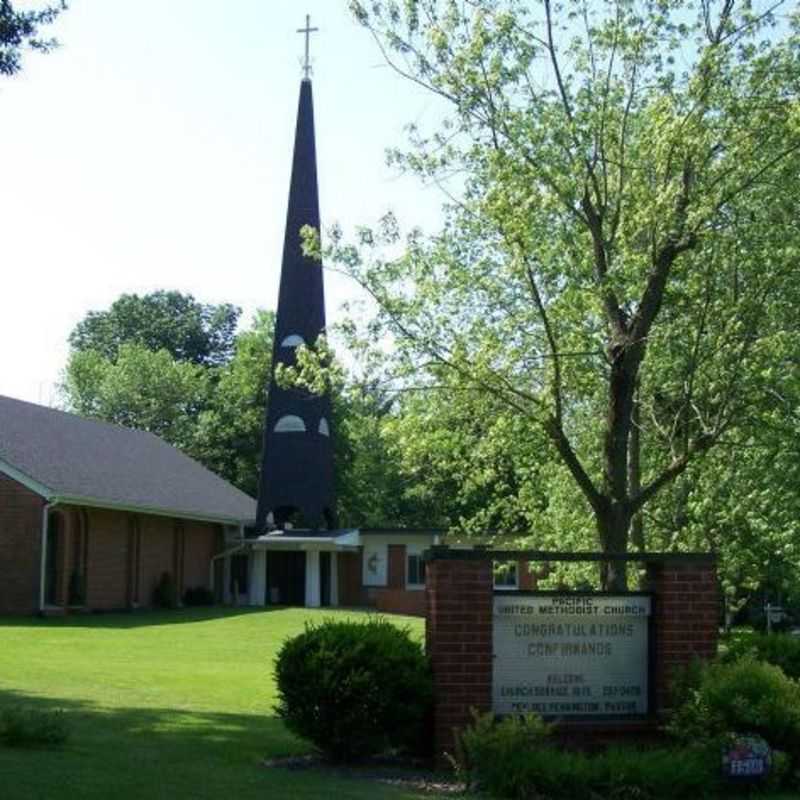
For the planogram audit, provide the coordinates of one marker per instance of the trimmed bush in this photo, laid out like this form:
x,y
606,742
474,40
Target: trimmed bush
x,y
28,727
355,689
165,593
199,596
513,758
745,697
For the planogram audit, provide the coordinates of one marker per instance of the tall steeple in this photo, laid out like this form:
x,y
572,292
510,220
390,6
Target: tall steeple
x,y
296,482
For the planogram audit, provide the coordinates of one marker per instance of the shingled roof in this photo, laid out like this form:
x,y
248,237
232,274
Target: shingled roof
x,y
72,459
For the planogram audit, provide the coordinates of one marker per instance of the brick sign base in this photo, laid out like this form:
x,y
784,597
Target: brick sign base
x,y
459,598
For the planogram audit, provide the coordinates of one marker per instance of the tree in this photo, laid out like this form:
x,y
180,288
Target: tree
x,y
19,29
229,430
618,268
163,320
142,389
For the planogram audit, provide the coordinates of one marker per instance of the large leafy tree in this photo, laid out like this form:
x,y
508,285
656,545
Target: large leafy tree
x,y
144,389
618,266
20,29
162,320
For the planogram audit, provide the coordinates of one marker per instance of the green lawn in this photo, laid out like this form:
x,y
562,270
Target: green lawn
x,y
162,705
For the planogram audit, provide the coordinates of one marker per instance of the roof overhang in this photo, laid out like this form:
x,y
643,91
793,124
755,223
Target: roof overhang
x,y
25,480
94,502
281,540
54,498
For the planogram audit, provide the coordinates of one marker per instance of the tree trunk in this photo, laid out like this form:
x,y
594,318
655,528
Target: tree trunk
x,y
635,473
612,527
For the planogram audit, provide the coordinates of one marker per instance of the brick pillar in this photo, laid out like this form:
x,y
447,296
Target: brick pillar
x,y
687,616
459,642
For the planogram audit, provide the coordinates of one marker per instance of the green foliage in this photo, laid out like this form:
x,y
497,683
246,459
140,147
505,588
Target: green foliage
x,y
21,28
165,592
228,433
141,389
188,330
513,758
780,649
744,697
617,269
28,727
354,689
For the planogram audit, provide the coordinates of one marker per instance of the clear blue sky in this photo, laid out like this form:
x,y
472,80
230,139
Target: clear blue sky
x,y
153,149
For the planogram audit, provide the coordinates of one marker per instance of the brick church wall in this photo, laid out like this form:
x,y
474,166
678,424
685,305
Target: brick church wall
x,y
20,547
121,556
201,542
107,562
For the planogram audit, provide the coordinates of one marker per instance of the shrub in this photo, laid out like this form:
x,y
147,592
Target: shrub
x,y
164,595
199,596
745,696
514,758
487,745
27,727
354,689
780,649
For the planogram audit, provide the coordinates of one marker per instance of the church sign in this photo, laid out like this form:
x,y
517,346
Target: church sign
x,y
571,654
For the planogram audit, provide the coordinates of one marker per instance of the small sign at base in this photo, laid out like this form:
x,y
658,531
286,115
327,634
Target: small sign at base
x,y
746,758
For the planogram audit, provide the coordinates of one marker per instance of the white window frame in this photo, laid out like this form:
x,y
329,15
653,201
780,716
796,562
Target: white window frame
x,y
415,550
512,566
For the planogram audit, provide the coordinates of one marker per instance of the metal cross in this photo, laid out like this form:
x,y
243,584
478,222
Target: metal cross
x,y
308,30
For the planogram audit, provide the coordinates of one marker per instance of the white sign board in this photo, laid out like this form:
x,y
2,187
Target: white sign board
x,y
374,565
570,655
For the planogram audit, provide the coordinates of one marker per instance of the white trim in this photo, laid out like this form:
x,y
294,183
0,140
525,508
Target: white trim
x,y
312,595
414,550
43,557
25,480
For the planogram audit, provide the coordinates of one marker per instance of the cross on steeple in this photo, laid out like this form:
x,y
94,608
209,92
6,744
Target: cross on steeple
x,y
308,30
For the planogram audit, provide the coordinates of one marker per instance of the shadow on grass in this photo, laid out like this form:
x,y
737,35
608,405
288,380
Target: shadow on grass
x,y
136,619
149,751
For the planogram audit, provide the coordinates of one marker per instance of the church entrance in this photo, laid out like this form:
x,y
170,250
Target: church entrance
x,y
324,579
286,577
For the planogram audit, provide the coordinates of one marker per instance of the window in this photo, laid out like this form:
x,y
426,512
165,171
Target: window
x,y
290,424
324,428
415,572
292,341
505,575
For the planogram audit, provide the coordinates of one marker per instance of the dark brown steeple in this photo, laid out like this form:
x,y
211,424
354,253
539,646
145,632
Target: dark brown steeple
x,y
296,480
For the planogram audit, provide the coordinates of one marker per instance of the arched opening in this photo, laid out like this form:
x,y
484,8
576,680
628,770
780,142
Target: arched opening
x,y
53,546
323,427
293,340
290,424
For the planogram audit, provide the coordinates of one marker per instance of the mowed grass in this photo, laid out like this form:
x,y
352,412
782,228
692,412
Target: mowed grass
x,y
161,705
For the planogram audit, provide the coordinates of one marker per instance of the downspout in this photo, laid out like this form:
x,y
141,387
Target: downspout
x,y
43,558
225,554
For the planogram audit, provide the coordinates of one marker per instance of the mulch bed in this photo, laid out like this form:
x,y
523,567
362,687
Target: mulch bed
x,y
394,771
